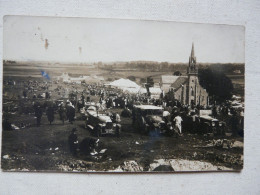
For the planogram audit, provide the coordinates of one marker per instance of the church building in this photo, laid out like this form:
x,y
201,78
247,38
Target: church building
x,y
186,89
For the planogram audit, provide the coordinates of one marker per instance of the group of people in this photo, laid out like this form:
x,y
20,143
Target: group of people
x,y
223,112
66,111
112,98
86,147
107,99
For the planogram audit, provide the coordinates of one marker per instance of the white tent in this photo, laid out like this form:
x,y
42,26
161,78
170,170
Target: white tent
x,y
155,90
127,86
139,90
142,90
124,83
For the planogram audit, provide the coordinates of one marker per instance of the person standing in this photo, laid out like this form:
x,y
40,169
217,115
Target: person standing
x,y
214,112
73,142
38,114
118,120
178,121
62,112
50,114
234,121
174,112
71,113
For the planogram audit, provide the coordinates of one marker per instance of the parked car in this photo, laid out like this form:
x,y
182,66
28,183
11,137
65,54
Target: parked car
x,y
208,124
87,107
204,123
149,119
101,124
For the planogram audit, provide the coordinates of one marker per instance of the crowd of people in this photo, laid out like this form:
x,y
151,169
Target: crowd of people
x,y
71,99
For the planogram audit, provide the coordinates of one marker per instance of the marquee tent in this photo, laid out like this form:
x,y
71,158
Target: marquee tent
x,y
124,83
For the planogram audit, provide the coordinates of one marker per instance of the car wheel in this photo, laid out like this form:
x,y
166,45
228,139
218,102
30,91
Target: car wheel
x,y
157,131
145,130
153,132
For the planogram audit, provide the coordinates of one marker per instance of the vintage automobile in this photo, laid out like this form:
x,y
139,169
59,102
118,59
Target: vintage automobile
x,y
208,124
101,124
204,123
87,107
148,119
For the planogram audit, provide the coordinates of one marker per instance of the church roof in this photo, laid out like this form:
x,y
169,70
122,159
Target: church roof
x,y
169,78
179,82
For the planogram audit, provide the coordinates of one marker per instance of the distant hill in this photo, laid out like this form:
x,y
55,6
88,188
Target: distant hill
x,y
228,68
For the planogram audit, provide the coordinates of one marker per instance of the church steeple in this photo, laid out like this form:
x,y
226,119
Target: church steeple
x,y
193,82
192,51
192,69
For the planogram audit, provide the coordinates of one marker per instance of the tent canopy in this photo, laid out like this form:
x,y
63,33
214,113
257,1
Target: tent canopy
x,y
124,83
155,90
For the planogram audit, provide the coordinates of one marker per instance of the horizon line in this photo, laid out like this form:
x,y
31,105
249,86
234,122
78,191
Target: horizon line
x,y
78,62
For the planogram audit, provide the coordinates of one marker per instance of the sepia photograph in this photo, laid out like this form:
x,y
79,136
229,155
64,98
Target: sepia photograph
x,y
117,95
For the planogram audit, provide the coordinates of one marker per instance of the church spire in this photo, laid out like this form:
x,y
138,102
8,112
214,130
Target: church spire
x,y
192,51
192,69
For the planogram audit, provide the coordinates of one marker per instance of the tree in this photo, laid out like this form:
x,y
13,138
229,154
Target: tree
x,y
142,80
165,66
132,78
177,73
150,82
217,84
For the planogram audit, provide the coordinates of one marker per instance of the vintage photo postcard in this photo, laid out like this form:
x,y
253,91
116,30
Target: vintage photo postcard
x,y
110,95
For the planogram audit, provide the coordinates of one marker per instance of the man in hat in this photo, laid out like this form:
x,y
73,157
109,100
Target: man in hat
x,y
73,142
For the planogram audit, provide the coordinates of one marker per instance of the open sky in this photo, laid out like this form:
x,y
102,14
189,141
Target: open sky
x,y
108,40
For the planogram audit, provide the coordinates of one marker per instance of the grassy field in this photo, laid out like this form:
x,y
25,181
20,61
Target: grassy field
x,y
34,70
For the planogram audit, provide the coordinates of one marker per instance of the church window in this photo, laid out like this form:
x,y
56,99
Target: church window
x,y
192,91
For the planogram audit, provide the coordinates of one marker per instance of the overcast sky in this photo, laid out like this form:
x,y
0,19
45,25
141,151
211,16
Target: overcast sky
x,y
108,40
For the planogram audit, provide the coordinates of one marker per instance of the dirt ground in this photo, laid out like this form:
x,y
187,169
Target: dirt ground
x,y
45,148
